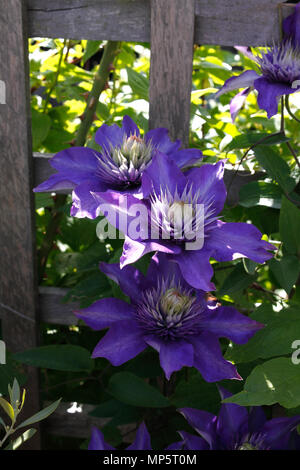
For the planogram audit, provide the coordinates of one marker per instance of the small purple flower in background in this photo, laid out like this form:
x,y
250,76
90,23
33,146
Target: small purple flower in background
x,y
279,72
236,429
169,189
165,313
141,442
124,157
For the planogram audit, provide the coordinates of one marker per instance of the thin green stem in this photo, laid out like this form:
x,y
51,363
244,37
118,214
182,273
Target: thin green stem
x,y
55,77
287,106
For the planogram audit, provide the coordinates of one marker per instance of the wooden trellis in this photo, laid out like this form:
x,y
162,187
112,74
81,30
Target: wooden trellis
x,y
172,27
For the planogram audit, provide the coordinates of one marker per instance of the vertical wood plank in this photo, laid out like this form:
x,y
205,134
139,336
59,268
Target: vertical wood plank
x,y
18,289
172,39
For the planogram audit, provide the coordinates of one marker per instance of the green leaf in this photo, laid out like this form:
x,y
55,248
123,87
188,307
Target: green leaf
x,y
43,200
237,280
276,167
59,357
289,226
138,83
286,271
121,413
281,329
91,48
128,388
15,394
260,193
244,141
196,393
21,439
7,408
275,381
43,414
41,124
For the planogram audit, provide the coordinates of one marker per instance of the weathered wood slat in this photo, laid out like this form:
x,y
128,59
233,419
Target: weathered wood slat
x,y
53,309
18,292
42,171
225,22
66,421
172,38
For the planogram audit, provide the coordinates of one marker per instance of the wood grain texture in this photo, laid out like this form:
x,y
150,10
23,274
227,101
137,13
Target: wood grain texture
x,y
79,423
53,309
18,293
225,22
115,20
172,37
42,171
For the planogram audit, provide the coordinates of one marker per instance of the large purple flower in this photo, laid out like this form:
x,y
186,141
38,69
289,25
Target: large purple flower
x,y
165,313
141,442
279,71
169,192
236,429
119,166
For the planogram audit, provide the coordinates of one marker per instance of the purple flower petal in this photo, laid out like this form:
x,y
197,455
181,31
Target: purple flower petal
x,y
160,139
227,322
238,102
277,432
133,250
174,355
97,441
202,421
75,165
269,94
209,179
84,203
189,442
124,212
161,267
105,312
186,157
121,343
55,183
232,420
162,173
130,279
209,360
109,136
142,439
196,268
129,127
291,26
230,241
244,80
257,419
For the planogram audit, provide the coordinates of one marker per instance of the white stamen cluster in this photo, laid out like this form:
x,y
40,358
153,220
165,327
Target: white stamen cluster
x,y
281,63
125,164
179,216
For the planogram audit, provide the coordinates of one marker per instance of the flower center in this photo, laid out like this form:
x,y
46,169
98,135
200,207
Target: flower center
x,y
123,166
174,303
281,63
247,446
170,311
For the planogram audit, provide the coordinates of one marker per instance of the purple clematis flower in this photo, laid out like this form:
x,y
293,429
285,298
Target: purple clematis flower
x,y
141,442
279,72
236,429
167,314
169,191
124,157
